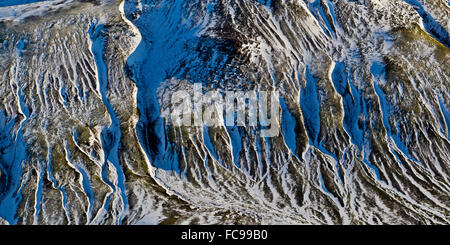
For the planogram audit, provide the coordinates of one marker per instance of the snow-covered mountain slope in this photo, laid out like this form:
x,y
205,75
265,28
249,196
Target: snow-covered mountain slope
x,y
363,94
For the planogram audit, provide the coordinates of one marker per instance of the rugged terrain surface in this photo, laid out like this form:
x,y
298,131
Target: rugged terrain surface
x,y
364,94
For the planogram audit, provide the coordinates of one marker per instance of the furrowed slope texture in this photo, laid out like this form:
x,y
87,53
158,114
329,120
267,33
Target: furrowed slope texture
x,y
364,122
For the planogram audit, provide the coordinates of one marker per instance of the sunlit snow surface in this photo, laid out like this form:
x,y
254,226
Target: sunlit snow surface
x,y
364,122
